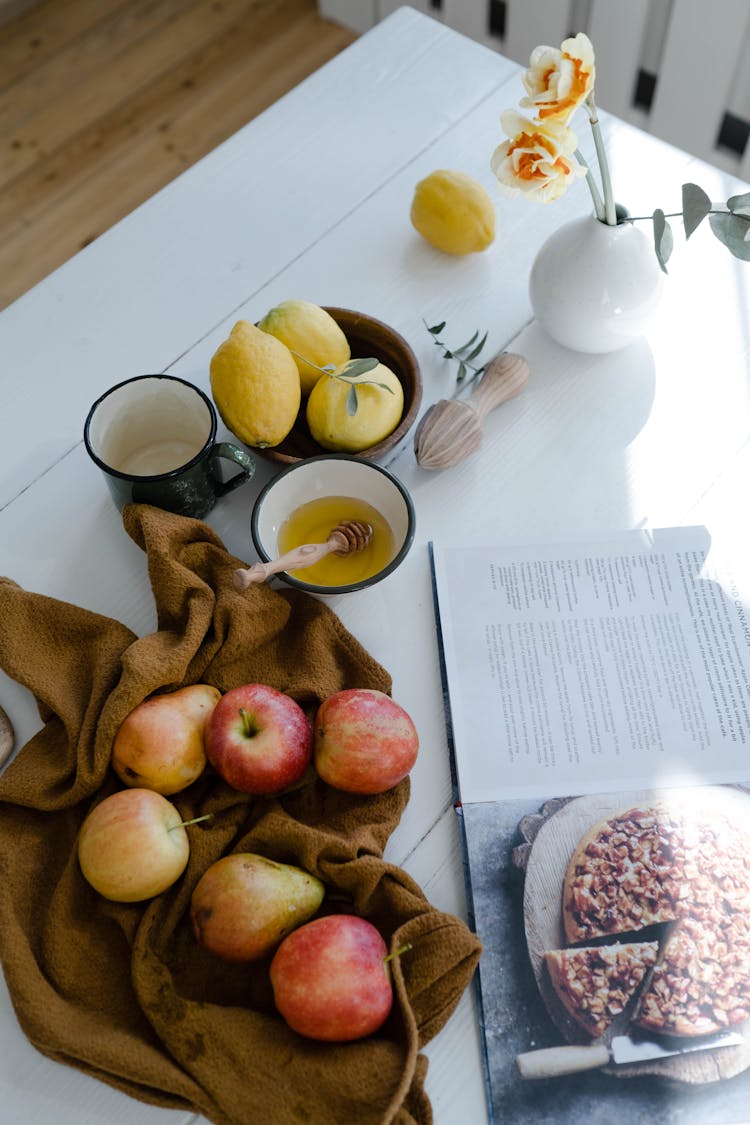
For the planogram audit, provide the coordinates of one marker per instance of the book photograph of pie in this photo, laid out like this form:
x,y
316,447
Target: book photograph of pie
x,y
651,928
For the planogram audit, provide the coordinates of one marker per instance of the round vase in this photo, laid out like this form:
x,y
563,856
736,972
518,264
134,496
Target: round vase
x,y
594,287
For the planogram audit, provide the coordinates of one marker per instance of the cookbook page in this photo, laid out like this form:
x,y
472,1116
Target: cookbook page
x,y
594,666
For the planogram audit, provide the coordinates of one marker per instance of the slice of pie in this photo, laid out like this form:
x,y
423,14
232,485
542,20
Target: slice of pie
x,y
596,983
628,872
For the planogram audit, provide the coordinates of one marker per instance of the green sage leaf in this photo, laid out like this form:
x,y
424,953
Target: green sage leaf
x,y
436,328
663,240
461,374
695,206
351,401
732,231
356,367
740,204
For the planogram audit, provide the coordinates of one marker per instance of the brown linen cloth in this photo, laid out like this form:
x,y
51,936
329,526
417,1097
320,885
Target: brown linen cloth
x,y
123,991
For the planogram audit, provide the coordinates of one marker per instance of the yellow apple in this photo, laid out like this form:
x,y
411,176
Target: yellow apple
x,y
160,745
133,845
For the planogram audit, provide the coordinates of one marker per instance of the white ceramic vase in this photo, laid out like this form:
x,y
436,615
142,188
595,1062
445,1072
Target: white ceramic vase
x,y
594,287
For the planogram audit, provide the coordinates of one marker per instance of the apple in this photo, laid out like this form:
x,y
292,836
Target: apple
x,y
160,744
259,739
244,904
364,742
331,980
133,845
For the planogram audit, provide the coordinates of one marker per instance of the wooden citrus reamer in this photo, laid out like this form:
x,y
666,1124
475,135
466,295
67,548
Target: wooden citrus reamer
x,y
452,429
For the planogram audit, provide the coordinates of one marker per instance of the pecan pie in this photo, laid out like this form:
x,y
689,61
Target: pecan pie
x,y
627,872
596,983
690,867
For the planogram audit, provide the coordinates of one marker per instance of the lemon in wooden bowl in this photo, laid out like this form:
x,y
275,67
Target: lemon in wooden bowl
x,y
368,338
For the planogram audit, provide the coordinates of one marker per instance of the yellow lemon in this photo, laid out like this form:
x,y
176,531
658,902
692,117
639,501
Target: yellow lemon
x,y
255,385
310,333
453,212
379,410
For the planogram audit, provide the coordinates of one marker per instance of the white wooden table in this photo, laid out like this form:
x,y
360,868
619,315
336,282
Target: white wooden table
x,y
312,200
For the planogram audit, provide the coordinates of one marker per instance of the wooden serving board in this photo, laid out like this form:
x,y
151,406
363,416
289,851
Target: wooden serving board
x,y
550,838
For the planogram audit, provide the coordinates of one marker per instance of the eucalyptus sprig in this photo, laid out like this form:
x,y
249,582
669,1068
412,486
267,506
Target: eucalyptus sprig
x,y
463,355
348,372
729,221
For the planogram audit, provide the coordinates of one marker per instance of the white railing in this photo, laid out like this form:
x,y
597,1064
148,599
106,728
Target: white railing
x,y
677,68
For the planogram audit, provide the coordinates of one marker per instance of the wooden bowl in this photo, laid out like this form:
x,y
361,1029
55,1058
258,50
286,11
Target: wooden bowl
x,y
367,337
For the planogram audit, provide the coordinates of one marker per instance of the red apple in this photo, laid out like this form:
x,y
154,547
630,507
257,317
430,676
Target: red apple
x,y
160,745
364,742
133,845
331,980
258,739
244,904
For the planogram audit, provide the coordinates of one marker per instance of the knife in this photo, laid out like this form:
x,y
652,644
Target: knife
x,y
550,1062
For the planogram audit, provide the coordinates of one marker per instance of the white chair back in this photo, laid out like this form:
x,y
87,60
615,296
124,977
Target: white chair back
x,y
677,68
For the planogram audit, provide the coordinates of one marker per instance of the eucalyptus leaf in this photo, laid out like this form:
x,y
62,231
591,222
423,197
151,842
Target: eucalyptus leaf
x,y
695,206
740,204
465,347
383,386
464,355
475,352
663,239
329,368
356,367
732,231
351,401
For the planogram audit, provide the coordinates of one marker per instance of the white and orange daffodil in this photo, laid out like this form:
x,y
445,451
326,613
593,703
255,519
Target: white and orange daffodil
x,y
541,157
537,160
559,80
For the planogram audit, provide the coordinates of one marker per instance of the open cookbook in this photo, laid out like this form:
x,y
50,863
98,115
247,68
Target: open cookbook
x,y
597,702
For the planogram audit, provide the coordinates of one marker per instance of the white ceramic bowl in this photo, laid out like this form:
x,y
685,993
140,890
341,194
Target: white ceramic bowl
x,y
336,474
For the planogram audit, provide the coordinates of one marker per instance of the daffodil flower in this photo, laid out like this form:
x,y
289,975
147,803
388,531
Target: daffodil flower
x,y
541,157
559,80
537,159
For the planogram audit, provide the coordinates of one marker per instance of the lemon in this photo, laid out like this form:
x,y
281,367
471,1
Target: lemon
x,y
453,212
255,385
311,333
378,411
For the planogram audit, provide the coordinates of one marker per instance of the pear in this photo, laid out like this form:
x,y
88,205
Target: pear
x,y
244,905
160,745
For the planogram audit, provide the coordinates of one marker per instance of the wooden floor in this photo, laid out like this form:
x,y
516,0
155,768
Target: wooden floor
x,y
103,102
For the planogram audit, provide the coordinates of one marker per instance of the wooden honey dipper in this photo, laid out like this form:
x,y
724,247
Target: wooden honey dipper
x,y
451,429
345,539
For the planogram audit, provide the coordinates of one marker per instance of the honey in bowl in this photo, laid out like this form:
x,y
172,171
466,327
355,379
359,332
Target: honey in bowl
x,y
314,521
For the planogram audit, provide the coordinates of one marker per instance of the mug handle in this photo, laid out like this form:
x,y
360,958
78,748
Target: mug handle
x,y
230,452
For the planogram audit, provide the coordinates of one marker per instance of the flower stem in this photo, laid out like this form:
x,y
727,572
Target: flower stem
x,y
595,194
609,201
